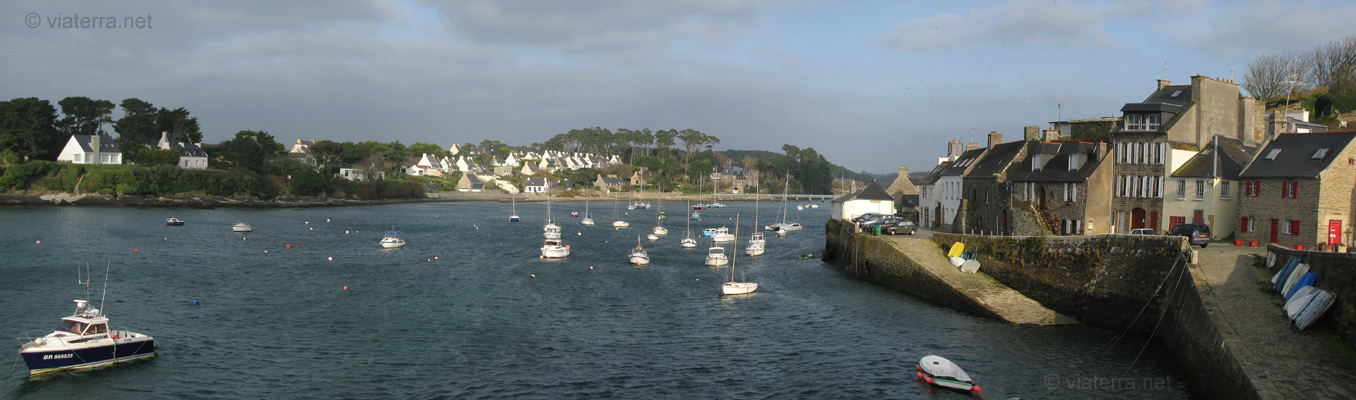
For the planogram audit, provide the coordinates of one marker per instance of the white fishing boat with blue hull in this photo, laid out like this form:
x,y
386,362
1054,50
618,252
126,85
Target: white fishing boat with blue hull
x,y
82,341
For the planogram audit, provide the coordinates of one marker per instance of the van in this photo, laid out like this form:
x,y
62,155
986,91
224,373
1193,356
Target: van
x,y
1195,233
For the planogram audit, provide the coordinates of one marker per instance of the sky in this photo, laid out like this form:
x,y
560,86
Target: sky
x,y
871,85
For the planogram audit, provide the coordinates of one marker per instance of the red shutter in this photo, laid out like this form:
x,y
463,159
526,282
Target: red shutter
x,y
1243,225
1294,189
1258,191
1294,228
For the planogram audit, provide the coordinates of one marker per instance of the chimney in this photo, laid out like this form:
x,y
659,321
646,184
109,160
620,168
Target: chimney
x,y
1101,150
1052,135
1031,133
971,146
1163,82
94,142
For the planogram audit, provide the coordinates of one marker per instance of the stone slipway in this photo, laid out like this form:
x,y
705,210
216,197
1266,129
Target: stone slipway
x,y
916,266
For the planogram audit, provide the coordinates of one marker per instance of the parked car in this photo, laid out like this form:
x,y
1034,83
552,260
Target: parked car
x,y
877,220
858,219
1195,233
1143,231
899,227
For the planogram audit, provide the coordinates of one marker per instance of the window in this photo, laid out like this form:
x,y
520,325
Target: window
x,y
77,157
1293,228
1224,189
1294,189
1245,224
1176,93
1271,155
1134,122
1181,188
1174,221
1152,121
1200,188
1318,155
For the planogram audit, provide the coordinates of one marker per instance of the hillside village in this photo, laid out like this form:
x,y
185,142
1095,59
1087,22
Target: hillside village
x,y
1199,153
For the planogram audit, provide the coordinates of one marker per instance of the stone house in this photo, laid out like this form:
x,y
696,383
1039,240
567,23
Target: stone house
x,y
950,190
1297,192
870,199
91,149
1060,188
470,183
902,187
1204,190
985,186
609,183
1158,135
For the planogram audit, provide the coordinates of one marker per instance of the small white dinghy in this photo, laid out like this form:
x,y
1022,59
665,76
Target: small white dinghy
x,y
942,372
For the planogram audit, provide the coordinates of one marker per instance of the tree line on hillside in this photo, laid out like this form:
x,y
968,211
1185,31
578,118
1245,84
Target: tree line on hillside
x,y
32,128
1329,68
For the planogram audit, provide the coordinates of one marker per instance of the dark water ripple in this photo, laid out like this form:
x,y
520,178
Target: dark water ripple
x,y
474,324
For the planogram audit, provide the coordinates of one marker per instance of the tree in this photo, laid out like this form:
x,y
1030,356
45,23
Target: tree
x,y
137,127
692,141
373,164
305,182
84,116
419,149
28,129
251,149
1272,75
328,152
664,139
791,151
180,126
1333,66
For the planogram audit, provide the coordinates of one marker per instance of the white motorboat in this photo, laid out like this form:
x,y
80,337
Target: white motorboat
x,y
716,205
241,227
392,240
695,215
171,221
652,236
551,231
638,255
722,236
659,230
715,257
757,245
83,340
552,248
733,287
942,372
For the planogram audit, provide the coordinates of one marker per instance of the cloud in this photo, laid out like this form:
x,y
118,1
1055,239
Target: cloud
x,y
1018,22
1246,30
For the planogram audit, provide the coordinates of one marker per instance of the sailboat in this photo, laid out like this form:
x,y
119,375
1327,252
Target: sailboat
x,y
514,216
659,228
699,205
688,242
757,244
782,227
617,222
638,255
588,218
715,204
733,287
550,231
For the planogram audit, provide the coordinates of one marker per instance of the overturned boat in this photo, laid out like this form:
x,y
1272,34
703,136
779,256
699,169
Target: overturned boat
x,y
942,372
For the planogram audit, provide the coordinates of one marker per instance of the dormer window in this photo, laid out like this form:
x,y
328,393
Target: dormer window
x,y
1271,155
1318,155
1143,122
1037,161
1075,161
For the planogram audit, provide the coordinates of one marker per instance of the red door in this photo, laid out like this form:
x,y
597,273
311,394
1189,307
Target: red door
x,y
1137,218
1153,220
1198,217
1334,231
1274,225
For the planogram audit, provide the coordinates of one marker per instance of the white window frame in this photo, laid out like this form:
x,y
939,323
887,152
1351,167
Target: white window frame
x,y
1181,188
1153,121
1200,189
1224,190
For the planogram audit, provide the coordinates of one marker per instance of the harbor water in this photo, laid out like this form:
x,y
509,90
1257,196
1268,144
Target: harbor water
x,y
467,309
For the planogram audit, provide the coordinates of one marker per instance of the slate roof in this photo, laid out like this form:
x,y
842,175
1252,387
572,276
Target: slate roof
x,y
1297,150
1163,100
872,191
936,173
610,181
963,163
995,160
536,182
188,150
1233,156
1056,168
106,144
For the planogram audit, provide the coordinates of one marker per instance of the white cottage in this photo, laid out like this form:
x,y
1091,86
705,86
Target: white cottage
x,y
191,156
91,149
871,199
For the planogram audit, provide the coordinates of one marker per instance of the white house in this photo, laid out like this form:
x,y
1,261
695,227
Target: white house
x,y
871,199
191,156
949,190
359,174
301,151
535,185
426,166
91,149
